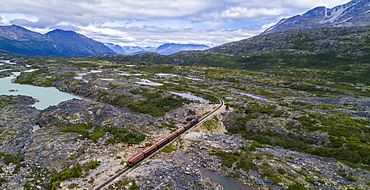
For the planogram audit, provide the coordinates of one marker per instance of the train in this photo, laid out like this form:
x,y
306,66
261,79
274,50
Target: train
x,y
147,152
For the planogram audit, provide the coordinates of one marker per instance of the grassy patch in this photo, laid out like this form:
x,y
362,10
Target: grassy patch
x,y
297,186
211,124
56,179
120,135
3,103
169,149
124,136
155,103
76,128
97,134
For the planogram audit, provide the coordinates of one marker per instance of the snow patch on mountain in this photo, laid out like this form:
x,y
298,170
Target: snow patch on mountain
x,y
353,13
165,49
332,15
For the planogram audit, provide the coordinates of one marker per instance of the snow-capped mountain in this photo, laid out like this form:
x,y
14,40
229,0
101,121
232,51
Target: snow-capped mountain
x,y
129,50
353,13
171,48
165,49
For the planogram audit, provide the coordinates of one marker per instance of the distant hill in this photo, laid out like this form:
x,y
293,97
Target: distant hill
x,y
353,13
341,40
165,49
19,40
129,50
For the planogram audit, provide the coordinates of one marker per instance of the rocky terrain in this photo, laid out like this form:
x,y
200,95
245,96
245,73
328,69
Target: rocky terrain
x,y
268,165
295,119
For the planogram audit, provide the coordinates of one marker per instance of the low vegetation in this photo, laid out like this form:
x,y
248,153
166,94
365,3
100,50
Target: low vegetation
x,y
155,102
169,148
12,159
56,179
120,135
124,136
310,99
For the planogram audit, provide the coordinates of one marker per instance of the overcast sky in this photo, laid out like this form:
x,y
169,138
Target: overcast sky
x,y
154,22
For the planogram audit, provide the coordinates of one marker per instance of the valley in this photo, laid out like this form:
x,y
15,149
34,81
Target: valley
x,y
286,127
296,113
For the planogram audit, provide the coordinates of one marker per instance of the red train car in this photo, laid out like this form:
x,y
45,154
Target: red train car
x,y
172,136
180,131
187,126
136,159
161,143
150,150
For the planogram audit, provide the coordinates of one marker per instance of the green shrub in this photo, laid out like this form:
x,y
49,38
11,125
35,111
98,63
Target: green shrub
x,y
281,171
14,159
134,186
296,186
93,164
245,163
309,179
228,159
74,173
156,103
124,136
3,181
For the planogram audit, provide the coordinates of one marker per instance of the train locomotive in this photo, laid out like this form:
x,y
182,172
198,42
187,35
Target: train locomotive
x,y
147,152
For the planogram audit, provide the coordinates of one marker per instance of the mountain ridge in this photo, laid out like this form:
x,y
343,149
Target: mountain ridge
x,y
17,39
343,40
164,49
353,13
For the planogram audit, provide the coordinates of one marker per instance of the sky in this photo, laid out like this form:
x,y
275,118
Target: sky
x,y
155,22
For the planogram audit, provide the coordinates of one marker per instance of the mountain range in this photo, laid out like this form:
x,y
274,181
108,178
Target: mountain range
x,y
16,39
353,13
165,49
19,40
58,42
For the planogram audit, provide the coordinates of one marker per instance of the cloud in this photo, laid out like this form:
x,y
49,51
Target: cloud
x,y
243,13
155,36
85,12
152,22
43,22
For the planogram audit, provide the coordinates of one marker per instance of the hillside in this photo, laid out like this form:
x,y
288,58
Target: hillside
x,y
343,40
353,13
337,49
289,125
19,40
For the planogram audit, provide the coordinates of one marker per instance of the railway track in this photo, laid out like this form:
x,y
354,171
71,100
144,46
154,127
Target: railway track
x,y
126,169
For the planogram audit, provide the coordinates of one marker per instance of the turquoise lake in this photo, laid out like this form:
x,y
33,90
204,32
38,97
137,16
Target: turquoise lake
x,y
47,96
